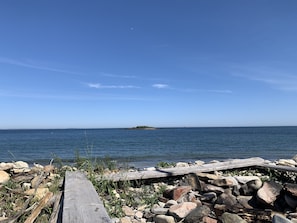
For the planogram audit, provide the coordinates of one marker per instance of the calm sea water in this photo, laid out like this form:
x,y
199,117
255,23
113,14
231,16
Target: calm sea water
x,y
143,148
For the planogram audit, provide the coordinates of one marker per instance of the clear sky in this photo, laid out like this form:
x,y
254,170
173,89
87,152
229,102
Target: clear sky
x,y
163,63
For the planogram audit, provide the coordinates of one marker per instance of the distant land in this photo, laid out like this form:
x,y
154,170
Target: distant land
x,y
143,127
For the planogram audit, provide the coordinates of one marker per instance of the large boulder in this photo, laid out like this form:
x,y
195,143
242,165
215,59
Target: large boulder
x,y
269,192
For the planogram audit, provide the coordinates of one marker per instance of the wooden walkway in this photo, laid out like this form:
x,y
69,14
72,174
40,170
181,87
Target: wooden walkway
x,y
81,201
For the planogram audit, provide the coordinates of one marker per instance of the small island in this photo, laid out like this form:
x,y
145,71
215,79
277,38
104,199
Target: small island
x,y
143,127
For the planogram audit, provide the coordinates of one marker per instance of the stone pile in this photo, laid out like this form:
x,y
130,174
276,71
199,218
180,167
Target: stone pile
x,y
217,197
25,191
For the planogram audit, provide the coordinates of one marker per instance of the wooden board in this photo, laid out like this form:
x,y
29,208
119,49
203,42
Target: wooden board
x,y
167,172
278,167
81,201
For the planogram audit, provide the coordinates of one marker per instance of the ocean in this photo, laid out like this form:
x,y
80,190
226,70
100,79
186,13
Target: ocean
x,y
146,148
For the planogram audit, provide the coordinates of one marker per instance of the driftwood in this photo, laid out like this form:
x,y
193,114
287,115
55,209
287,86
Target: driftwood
x,y
81,201
278,167
167,172
39,207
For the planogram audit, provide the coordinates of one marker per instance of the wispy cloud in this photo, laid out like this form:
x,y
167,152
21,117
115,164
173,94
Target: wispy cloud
x,y
118,76
100,86
278,79
160,86
33,65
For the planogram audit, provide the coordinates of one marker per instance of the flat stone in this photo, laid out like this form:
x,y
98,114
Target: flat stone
x,y
225,182
125,220
164,219
40,192
6,166
4,177
20,165
182,210
269,192
253,182
197,214
277,218
286,162
227,198
178,192
213,188
128,211
231,218
207,219
159,210
245,201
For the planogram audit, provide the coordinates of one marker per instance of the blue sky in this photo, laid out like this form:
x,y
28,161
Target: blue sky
x,y
97,64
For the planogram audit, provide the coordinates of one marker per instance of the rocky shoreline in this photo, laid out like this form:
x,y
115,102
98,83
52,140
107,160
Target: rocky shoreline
x,y
33,194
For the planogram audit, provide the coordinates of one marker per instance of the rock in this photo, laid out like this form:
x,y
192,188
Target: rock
x,y
48,168
181,164
253,182
35,181
277,218
197,214
38,166
177,192
245,201
193,181
181,210
291,201
227,199
4,177
286,162
128,211
20,165
225,182
291,188
213,188
138,215
40,192
199,162
164,219
208,176
269,192
159,210
170,203
231,218
209,196
26,186
207,219
6,166
125,220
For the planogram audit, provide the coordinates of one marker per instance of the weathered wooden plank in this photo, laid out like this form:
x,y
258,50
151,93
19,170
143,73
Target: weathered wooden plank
x,y
278,167
167,172
81,201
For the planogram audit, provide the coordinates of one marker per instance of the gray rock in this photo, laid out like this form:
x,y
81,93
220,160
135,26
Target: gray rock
x,y
232,218
197,214
159,210
193,181
277,218
227,199
291,201
210,196
291,188
245,201
164,219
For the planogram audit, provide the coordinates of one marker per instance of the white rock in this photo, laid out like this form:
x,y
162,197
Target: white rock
x,y
199,162
6,166
4,177
181,164
20,165
287,162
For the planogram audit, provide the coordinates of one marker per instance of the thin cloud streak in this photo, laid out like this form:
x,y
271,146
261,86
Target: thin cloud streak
x,y
277,79
160,86
33,66
100,86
